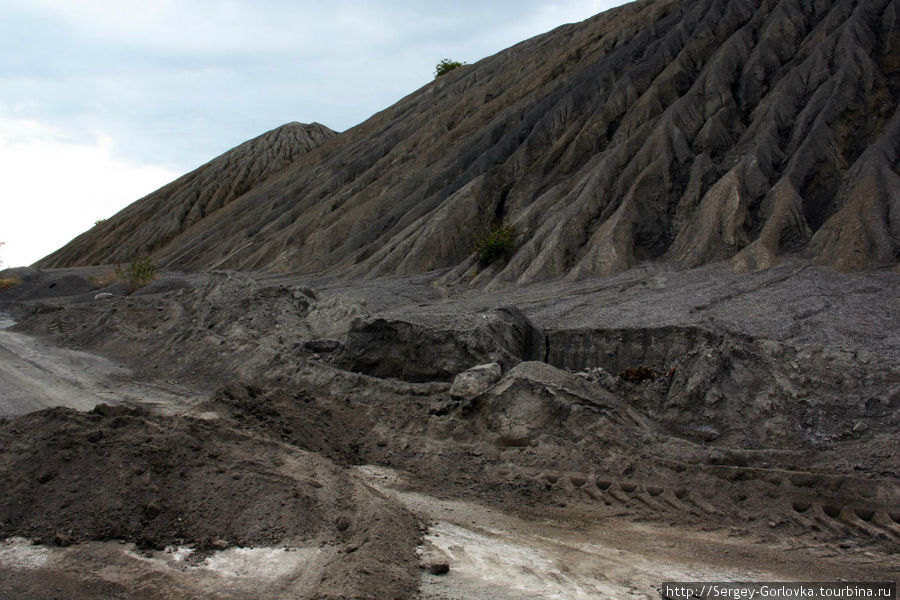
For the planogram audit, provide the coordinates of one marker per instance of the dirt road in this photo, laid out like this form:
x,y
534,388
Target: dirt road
x,y
35,375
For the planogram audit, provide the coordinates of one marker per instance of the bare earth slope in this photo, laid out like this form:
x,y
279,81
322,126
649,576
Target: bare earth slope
x,y
687,132
154,221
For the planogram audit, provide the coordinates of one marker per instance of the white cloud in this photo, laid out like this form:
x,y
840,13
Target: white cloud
x,y
55,188
209,26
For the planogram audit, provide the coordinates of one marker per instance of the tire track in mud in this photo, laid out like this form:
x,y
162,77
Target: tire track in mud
x,y
833,518
496,553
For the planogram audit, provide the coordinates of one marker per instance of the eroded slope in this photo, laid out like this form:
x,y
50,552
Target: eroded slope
x,y
687,132
154,221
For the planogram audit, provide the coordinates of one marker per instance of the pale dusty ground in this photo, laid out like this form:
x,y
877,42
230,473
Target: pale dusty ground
x,y
495,555
35,375
232,573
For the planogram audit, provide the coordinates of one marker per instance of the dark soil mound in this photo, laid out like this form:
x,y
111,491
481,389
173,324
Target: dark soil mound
x,y
155,480
317,423
119,473
32,283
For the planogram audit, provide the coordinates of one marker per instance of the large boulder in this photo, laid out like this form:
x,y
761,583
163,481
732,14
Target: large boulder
x,y
472,382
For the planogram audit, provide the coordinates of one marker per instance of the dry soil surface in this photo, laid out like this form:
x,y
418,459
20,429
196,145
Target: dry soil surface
x,y
494,553
232,435
35,375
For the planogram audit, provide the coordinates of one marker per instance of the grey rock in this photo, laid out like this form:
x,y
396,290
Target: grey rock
x,y
476,380
116,288
535,398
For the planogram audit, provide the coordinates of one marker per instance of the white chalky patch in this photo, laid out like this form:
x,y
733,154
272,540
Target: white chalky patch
x,y
19,553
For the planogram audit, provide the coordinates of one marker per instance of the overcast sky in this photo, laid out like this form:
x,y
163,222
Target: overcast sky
x,y
104,101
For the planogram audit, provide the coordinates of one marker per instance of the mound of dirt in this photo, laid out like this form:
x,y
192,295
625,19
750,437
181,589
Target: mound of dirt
x,y
168,212
572,440
315,422
32,283
120,473
687,132
247,323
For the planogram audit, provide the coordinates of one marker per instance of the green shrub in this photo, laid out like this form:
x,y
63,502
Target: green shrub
x,y
98,222
141,271
498,241
445,66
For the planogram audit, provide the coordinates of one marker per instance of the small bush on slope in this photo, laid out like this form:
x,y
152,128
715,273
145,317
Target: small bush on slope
x,y
140,272
445,66
498,241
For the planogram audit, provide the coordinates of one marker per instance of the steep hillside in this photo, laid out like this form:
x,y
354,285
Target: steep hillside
x,y
686,132
150,223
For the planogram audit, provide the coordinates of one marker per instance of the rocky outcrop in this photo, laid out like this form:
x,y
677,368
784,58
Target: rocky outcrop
x,y
415,351
684,132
